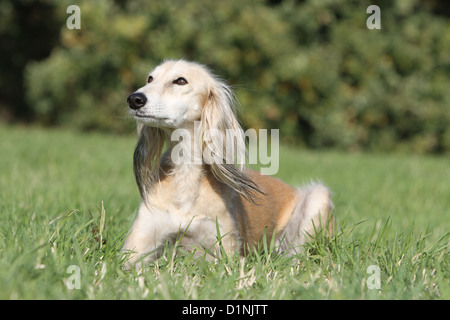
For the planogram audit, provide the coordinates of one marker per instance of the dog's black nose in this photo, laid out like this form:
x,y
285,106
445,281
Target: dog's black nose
x,y
136,100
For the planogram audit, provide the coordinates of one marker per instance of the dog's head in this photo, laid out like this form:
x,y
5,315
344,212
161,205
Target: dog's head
x,y
177,94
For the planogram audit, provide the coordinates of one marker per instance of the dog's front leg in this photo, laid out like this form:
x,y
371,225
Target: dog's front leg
x,y
146,236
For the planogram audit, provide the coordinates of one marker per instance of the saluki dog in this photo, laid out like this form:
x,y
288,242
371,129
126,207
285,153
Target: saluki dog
x,y
208,203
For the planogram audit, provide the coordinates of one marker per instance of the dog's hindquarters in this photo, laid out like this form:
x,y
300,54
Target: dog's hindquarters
x,y
311,215
294,214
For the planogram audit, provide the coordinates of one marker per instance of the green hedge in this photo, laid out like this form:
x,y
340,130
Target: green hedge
x,y
310,68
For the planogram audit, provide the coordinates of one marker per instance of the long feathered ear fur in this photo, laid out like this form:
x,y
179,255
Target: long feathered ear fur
x,y
218,116
146,158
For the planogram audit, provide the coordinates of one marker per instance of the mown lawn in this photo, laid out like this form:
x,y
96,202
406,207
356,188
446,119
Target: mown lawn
x,y
392,215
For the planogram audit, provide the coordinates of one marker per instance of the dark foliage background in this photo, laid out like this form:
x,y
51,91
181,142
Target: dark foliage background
x,y
310,68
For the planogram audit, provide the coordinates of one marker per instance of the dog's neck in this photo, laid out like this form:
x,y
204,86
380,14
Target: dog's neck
x,y
186,168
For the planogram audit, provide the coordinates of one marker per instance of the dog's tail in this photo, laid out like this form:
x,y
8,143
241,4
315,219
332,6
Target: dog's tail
x,y
313,214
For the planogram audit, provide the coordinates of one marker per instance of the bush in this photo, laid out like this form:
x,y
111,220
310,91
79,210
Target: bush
x,y
310,68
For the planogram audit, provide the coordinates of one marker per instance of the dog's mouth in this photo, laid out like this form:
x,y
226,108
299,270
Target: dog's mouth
x,y
146,116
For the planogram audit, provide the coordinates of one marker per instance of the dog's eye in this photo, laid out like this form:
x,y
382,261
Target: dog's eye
x,y
180,81
149,79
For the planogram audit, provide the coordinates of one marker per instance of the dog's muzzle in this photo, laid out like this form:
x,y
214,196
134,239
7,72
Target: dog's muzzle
x,y
136,100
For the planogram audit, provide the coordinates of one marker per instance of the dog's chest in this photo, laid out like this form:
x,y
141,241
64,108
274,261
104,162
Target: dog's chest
x,y
189,203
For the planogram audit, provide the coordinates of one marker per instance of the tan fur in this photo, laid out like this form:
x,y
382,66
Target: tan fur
x,y
271,210
188,203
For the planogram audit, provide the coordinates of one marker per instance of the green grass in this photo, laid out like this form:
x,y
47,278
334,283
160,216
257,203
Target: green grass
x,y
392,212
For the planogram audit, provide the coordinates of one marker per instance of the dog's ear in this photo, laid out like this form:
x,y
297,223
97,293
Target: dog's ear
x,y
146,157
224,140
